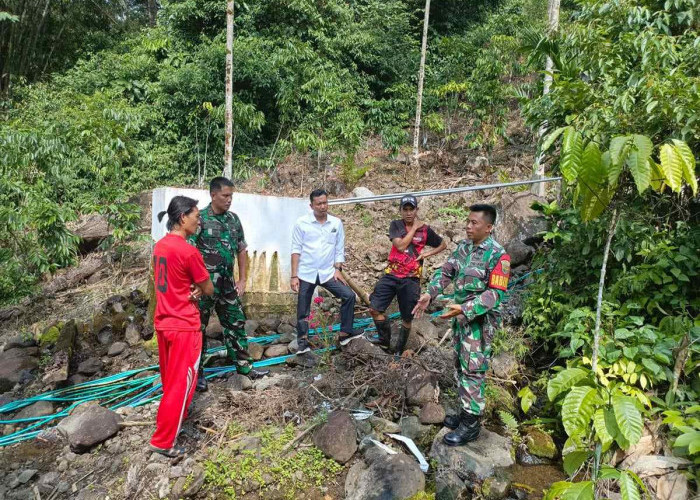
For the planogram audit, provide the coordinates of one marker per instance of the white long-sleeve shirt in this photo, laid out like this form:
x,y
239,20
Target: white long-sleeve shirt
x,y
320,246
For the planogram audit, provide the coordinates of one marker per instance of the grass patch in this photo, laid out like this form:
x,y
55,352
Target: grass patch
x,y
264,469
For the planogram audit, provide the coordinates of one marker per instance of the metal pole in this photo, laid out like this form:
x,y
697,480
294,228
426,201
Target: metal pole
x,y
437,192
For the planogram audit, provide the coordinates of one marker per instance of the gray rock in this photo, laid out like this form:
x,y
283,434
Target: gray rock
x,y
62,486
293,346
13,364
390,477
38,409
337,438
495,488
269,324
117,348
425,328
132,334
214,329
286,338
47,482
480,163
195,481
90,366
163,487
519,252
24,476
274,380
276,350
287,329
20,341
90,424
256,350
421,387
432,413
412,428
363,348
363,428
238,382
247,443
382,425
251,327
361,192
475,461
504,365
448,485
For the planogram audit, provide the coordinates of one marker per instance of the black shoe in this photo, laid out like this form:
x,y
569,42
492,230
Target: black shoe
x,y
303,345
467,431
451,421
202,385
403,338
346,337
255,374
384,334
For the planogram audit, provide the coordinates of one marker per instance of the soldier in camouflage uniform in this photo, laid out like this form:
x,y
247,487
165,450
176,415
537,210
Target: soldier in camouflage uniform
x,y
220,239
479,269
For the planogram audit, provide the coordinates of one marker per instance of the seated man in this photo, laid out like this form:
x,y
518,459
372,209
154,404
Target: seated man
x,y
409,237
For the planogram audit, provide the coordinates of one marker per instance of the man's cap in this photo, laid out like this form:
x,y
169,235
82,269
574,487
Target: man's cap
x,y
409,199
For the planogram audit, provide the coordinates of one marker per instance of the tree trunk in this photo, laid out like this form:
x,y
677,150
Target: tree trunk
x,y
421,75
552,28
601,285
152,12
228,146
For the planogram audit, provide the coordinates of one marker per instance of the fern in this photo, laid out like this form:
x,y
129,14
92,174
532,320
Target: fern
x,y
572,152
627,417
671,166
509,421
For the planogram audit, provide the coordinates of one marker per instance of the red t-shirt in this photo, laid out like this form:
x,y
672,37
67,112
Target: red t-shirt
x,y
177,265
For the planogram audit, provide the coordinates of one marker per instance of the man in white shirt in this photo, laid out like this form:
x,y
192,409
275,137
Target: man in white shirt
x,y
318,253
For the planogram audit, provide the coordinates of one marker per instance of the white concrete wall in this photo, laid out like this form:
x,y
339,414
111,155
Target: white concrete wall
x,y
267,220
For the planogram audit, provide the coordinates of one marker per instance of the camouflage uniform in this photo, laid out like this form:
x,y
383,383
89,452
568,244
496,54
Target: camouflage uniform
x,y
480,276
219,239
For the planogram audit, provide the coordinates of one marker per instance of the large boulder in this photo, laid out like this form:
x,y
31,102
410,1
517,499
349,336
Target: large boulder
x,y
421,388
363,348
14,363
519,252
486,457
337,437
387,477
89,425
517,220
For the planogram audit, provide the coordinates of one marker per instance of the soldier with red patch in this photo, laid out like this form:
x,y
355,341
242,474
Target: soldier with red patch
x,y
479,268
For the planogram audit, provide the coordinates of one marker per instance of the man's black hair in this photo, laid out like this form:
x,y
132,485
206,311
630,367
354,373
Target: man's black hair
x,y
316,193
179,206
489,211
217,184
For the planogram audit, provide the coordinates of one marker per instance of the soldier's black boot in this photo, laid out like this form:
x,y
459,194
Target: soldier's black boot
x,y
202,384
467,431
403,338
452,421
384,332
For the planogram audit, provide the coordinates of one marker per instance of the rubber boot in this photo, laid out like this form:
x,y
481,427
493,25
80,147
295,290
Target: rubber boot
x,y
452,421
403,338
468,430
384,331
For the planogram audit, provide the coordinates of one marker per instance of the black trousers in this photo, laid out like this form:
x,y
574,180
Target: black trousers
x,y
339,290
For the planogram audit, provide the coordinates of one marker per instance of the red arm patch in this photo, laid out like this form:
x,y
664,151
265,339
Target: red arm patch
x,y
500,274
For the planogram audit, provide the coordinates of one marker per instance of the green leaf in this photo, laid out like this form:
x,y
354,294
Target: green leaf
x,y
574,460
549,140
688,164
607,472
627,417
686,439
638,161
592,172
619,149
527,398
671,166
657,176
564,380
565,490
605,426
628,487
571,154
577,410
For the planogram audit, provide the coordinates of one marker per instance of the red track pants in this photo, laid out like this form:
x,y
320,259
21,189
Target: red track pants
x,y
178,354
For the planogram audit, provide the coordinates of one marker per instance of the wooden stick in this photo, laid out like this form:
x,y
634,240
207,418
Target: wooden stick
x,y
364,296
301,436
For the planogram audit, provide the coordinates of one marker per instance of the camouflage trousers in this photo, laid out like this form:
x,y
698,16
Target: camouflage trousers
x,y
230,312
472,345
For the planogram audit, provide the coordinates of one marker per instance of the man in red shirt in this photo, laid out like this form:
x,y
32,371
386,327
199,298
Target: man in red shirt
x,y
180,279
409,237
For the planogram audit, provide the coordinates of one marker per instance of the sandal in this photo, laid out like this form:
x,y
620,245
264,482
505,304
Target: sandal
x,y
174,452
